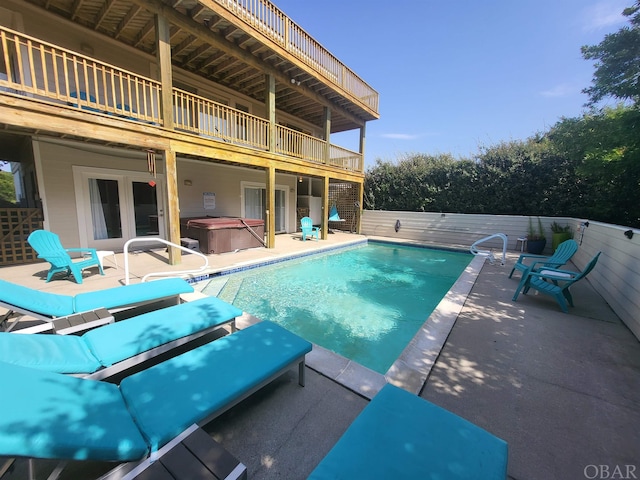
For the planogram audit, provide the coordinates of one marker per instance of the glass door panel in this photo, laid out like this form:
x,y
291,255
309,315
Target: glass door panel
x,y
104,197
255,199
145,209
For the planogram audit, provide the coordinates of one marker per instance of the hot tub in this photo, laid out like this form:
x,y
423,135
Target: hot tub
x,y
223,234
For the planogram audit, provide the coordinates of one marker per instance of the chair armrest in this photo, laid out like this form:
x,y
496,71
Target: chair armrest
x,y
91,250
530,255
555,273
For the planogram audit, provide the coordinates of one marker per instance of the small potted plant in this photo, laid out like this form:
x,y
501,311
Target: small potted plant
x,y
559,234
536,240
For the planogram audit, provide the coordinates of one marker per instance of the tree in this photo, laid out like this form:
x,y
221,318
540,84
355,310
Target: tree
x,y
7,191
604,147
617,64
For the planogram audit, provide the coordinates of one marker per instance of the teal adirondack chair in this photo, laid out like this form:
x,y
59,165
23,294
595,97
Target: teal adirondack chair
x,y
48,247
306,225
562,255
555,282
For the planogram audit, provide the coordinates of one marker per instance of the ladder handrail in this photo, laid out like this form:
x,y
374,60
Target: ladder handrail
x,y
159,274
489,253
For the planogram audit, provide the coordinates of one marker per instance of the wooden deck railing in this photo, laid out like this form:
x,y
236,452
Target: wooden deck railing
x,y
46,72
41,70
214,120
347,159
297,144
265,17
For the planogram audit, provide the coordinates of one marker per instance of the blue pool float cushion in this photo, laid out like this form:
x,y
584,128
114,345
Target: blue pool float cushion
x,y
109,344
400,435
208,378
63,417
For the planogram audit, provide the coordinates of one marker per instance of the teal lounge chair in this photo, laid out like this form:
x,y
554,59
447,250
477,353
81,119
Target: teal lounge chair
x,y
46,307
55,416
555,282
400,435
306,225
48,247
112,349
562,255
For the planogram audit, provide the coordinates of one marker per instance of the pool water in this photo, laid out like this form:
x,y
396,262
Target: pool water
x,y
365,303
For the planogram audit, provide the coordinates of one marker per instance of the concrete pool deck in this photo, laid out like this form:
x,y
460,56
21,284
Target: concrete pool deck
x,y
562,389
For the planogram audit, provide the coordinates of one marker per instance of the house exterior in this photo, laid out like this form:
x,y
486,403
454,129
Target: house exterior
x,y
121,117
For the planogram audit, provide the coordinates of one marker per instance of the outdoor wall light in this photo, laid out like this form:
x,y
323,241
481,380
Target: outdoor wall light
x,y
629,234
398,225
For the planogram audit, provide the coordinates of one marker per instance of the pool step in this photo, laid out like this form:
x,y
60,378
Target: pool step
x,y
230,290
215,286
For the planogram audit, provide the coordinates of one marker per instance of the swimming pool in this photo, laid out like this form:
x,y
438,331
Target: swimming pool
x,y
364,303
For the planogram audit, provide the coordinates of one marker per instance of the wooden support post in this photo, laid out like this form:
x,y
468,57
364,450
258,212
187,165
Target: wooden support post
x,y
363,138
163,54
359,207
327,134
325,207
270,109
173,207
271,207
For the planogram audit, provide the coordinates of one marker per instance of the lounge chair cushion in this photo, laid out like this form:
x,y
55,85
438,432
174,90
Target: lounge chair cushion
x,y
53,353
44,303
131,294
63,417
113,343
156,328
208,378
400,435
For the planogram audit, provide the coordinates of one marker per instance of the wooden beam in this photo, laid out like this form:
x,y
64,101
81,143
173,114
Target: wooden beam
x,y
104,11
271,206
133,11
270,109
326,120
163,54
173,208
324,229
146,30
184,44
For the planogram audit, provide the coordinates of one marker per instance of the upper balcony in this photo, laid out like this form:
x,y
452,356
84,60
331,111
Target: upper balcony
x,y
235,43
36,69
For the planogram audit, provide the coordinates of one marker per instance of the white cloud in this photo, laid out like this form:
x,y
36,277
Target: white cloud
x,y
604,15
561,90
400,136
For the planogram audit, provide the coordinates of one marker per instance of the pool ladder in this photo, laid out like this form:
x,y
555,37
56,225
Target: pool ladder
x,y
489,253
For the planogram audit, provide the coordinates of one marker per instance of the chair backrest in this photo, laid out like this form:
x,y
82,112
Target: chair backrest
x,y
47,245
588,268
306,223
564,252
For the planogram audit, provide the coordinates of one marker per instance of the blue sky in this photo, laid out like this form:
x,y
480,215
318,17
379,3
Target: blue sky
x,y
456,76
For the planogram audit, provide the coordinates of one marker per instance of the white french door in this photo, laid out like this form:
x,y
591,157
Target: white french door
x,y
115,206
253,206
